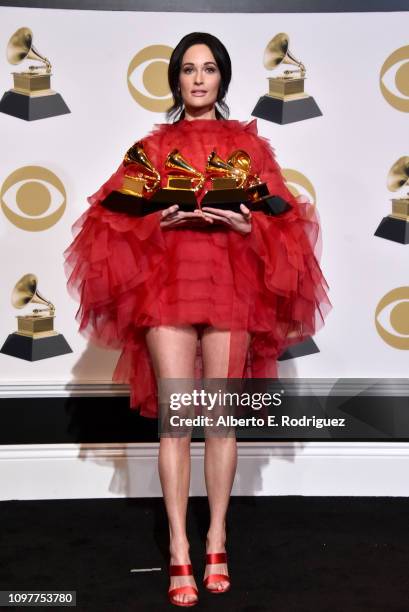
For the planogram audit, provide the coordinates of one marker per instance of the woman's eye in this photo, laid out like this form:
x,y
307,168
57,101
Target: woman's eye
x,y
189,70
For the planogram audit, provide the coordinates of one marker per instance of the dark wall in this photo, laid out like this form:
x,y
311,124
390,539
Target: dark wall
x,y
222,6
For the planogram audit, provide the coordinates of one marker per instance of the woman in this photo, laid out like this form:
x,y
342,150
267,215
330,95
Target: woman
x,y
221,297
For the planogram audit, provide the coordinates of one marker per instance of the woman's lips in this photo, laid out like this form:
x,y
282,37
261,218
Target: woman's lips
x,y
199,93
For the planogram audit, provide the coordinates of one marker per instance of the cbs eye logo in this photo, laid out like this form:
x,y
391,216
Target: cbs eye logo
x,y
149,69
33,198
400,80
299,184
395,315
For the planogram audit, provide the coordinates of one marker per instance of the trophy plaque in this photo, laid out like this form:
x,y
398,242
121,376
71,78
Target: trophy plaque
x,y
286,100
31,97
261,199
395,226
184,181
35,337
301,349
120,202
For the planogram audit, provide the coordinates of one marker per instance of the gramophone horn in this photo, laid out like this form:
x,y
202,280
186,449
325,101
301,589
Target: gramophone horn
x,y
25,291
217,165
277,52
176,161
241,159
398,175
20,47
136,156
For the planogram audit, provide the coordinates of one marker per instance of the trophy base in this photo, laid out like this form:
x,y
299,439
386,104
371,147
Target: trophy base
x,y
286,111
34,349
185,198
307,347
225,199
134,206
393,229
31,108
271,205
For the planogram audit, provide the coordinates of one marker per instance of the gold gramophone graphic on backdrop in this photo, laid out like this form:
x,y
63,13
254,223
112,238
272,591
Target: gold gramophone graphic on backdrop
x,y
35,337
286,100
31,97
183,182
395,226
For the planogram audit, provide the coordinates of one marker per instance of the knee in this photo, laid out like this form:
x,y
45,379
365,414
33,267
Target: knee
x,y
176,444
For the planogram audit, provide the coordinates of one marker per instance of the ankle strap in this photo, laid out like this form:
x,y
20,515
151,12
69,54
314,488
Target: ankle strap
x,y
180,570
216,558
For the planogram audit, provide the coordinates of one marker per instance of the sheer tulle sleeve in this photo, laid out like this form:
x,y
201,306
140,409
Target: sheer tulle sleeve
x,y
108,264
289,247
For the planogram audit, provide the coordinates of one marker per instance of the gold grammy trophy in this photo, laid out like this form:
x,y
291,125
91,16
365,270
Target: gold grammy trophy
x,y
286,100
228,182
31,97
259,197
35,337
147,178
395,226
184,181
140,180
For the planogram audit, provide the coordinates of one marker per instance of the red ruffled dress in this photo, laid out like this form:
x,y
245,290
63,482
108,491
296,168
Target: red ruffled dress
x,y
128,274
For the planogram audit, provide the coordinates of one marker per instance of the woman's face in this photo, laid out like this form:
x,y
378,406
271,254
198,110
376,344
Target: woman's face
x,y
199,78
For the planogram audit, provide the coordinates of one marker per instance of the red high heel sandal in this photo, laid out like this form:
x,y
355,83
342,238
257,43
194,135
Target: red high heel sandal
x,y
182,570
212,558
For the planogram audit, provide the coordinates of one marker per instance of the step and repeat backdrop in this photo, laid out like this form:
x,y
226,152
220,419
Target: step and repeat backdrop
x,y
65,128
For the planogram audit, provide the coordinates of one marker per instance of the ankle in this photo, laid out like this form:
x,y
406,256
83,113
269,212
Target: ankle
x,y
179,551
216,540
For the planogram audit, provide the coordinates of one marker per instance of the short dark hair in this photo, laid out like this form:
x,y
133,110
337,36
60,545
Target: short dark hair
x,y
222,60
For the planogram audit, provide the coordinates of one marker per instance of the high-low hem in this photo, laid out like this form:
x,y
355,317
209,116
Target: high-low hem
x,y
129,274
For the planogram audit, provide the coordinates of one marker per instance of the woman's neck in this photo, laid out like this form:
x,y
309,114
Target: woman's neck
x,y
191,114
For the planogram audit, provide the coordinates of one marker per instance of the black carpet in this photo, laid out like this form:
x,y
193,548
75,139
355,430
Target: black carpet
x,y
295,554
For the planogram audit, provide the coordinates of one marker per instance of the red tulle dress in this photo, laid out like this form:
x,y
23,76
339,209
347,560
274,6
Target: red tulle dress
x,y
128,274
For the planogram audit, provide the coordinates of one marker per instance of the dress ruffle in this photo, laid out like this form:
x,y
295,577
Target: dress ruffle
x,y
129,275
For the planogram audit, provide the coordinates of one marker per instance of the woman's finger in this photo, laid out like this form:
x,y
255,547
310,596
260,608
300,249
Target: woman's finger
x,y
168,211
182,221
226,220
246,212
218,211
193,215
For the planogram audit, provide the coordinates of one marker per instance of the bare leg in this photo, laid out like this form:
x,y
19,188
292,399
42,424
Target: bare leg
x,y
173,351
220,454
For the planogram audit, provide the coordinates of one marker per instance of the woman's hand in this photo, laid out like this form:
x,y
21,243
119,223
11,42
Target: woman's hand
x,y
173,217
239,222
